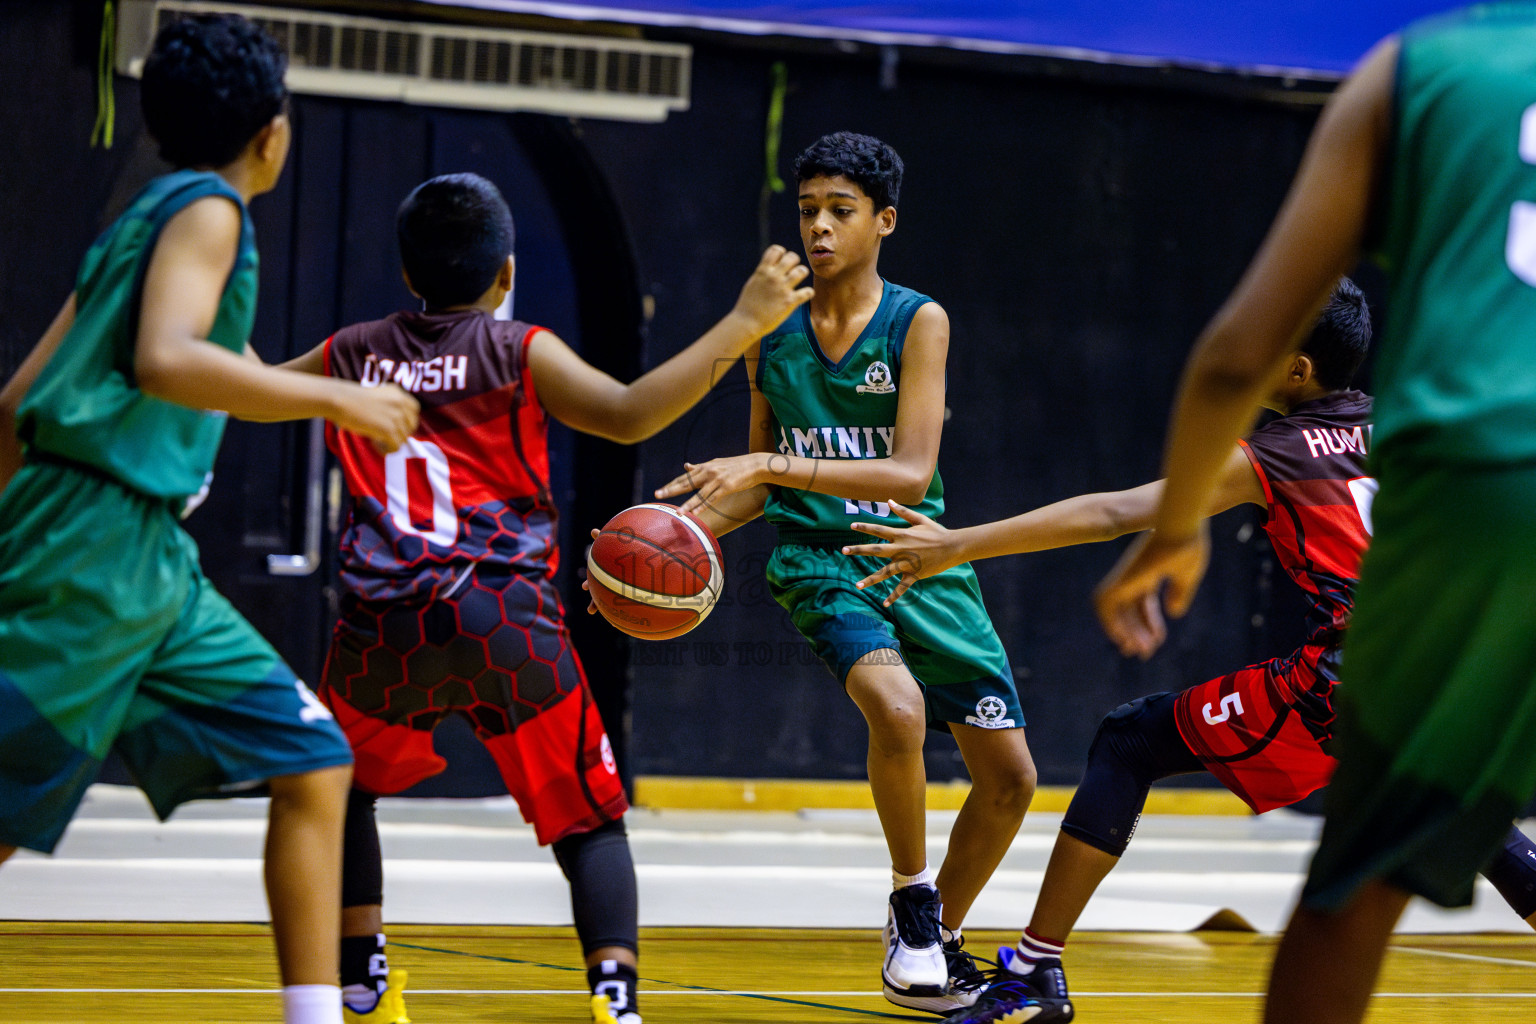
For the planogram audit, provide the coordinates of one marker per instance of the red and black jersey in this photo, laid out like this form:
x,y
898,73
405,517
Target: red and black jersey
x,y
1311,464
471,487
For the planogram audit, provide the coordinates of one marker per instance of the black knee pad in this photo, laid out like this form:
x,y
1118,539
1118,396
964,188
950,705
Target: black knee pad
x,y
602,876
1142,737
1136,744
570,850
362,864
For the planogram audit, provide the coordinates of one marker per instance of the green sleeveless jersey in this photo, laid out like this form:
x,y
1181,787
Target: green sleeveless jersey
x,y
85,406
842,410
1455,379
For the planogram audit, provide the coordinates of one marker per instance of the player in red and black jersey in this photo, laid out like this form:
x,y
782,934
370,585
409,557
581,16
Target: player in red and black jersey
x,y
448,562
1263,730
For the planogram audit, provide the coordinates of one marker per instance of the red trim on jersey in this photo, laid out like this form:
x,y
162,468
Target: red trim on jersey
x,y
325,355
360,462
528,386
1258,467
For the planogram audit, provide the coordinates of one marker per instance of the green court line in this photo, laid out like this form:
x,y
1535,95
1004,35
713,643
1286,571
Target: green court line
x,y
673,984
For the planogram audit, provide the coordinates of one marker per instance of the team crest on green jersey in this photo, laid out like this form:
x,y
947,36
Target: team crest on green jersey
x,y
877,380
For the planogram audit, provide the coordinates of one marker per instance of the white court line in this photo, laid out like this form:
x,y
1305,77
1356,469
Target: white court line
x,y
1479,957
652,993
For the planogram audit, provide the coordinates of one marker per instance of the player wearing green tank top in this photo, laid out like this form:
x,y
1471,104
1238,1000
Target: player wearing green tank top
x,y
847,409
111,638
1427,157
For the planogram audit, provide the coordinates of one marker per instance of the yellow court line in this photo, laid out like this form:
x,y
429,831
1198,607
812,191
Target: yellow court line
x,y
672,792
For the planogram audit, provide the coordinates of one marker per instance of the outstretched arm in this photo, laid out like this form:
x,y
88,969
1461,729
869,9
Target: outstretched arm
x,y
585,398
312,361
904,474
173,360
1315,239
927,549
21,382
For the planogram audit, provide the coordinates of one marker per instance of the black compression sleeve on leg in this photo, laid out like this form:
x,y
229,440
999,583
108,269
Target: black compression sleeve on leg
x,y
362,865
602,877
1513,872
1137,744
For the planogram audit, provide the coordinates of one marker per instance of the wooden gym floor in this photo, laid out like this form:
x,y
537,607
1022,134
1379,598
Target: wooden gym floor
x,y
117,973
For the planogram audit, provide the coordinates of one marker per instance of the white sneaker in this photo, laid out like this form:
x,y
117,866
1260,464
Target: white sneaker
x,y
915,973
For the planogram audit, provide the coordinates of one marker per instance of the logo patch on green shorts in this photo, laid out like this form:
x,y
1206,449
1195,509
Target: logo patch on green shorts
x,y
989,714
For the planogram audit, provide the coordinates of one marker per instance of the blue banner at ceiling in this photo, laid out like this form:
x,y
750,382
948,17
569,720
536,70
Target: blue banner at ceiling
x,y
1307,36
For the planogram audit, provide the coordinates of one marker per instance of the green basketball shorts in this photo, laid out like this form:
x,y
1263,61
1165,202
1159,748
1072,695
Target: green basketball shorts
x,y
112,638
939,629
1437,702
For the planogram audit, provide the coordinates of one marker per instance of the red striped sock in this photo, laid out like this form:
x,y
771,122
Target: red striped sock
x,y
1032,949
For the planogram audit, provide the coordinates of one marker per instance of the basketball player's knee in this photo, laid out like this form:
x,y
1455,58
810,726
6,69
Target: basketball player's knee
x,y
1008,789
570,850
1113,742
898,728
1025,779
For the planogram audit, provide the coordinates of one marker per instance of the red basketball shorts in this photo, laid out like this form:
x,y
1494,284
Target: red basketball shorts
x,y
1261,730
497,653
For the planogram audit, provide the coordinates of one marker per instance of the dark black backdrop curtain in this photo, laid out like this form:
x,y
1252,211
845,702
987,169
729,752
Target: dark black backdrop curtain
x,y
1078,223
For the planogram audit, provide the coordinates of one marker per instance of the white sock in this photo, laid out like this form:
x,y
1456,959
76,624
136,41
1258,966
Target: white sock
x,y
923,877
311,1004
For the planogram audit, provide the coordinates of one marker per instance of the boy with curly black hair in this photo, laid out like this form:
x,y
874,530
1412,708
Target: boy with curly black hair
x,y
111,637
847,409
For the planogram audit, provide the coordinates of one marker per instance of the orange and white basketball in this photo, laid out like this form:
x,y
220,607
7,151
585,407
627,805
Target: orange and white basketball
x,y
655,571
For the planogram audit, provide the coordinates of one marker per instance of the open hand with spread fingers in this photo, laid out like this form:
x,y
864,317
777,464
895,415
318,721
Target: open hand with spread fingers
x,y
916,552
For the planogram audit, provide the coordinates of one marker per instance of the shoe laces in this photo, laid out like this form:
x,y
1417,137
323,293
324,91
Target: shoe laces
x,y
964,974
915,909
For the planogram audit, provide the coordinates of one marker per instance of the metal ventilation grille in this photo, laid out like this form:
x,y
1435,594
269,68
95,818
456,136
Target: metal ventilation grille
x,y
447,65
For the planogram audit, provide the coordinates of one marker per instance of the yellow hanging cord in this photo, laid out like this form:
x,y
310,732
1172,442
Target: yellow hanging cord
x,y
776,126
106,98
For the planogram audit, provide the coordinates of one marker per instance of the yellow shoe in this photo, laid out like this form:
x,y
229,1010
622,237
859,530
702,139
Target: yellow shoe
x,y
602,1013
390,1008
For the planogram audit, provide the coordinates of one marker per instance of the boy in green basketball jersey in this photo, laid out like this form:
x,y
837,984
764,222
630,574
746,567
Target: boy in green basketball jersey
x,y
111,638
847,408
1426,157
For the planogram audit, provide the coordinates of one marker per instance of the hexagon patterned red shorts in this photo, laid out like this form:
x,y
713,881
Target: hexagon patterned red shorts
x,y
497,653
